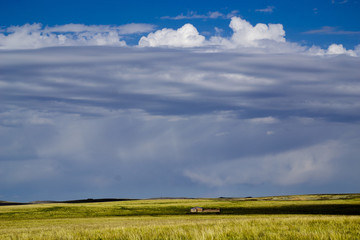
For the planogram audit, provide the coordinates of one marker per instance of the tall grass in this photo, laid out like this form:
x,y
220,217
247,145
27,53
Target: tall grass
x,y
300,217
184,227
181,207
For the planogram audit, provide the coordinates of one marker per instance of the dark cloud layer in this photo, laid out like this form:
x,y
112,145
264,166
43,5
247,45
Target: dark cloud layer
x,y
81,122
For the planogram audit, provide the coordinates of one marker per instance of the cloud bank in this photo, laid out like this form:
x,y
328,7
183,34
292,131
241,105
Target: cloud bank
x,y
149,122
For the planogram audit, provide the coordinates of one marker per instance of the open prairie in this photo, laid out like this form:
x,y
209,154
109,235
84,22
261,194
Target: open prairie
x,y
284,217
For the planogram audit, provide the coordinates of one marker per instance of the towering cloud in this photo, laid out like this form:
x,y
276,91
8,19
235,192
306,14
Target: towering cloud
x,y
244,35
259,36
186,36
247,35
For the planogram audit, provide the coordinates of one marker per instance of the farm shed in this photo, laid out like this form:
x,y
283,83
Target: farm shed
x,y
196,209
205,210
216,210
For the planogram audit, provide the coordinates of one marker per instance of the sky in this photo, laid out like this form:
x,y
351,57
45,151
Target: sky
x,y
148,99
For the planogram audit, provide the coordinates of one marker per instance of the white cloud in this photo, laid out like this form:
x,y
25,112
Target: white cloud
x,y
30,36
123,29
268,9
244,35
339,1
333,49
357,50
186,36
215,14
336,49
132,28
250,36
264,120
209,15
194,15
260,38
316,51
331,31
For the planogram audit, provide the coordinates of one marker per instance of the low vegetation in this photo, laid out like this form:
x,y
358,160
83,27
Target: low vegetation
x,y
286,217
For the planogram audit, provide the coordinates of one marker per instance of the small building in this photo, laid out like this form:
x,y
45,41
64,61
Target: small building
x,y
215,210
205,210
196,209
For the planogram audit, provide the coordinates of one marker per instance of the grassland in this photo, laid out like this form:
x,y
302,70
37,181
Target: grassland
x,y
287,217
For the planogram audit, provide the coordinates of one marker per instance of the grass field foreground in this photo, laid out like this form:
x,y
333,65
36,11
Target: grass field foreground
x,y
169,219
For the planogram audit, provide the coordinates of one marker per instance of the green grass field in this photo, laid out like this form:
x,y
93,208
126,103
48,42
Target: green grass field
x,y
287,217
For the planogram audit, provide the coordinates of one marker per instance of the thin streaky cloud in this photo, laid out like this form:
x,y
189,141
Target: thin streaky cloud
x,y
331,31
339,2
268,9
195,15
130,28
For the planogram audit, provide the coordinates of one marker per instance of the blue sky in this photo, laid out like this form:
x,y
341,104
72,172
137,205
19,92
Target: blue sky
x,y
298,17
178,98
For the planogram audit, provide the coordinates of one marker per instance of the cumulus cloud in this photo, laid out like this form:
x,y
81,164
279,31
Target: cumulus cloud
x,y
357,50
186,36
336,49
30,36
247,35
244,35
272,37
261,38
333,49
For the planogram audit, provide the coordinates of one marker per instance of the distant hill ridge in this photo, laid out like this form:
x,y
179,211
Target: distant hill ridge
x,y
307,197
5,203
88,200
